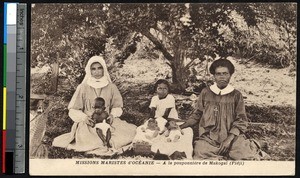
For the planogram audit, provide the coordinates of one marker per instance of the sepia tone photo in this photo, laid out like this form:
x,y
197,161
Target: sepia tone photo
x,y
163,89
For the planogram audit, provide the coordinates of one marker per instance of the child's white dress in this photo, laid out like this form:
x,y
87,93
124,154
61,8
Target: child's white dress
x,y
184,143
162,104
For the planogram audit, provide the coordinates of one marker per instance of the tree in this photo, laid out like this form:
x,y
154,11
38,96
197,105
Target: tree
x,y
67,34
284,17
167,27
185,34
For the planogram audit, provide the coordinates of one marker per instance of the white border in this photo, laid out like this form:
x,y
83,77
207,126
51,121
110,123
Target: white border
x,y
151,167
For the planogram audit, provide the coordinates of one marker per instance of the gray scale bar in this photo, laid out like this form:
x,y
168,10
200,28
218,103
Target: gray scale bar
x,y
11,87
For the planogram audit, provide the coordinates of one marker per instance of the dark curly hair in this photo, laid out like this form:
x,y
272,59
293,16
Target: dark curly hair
x,y
99,102
160,81
221,63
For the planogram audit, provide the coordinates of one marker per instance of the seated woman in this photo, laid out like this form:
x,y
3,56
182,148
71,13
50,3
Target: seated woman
x,y
83,135
220,113
163,110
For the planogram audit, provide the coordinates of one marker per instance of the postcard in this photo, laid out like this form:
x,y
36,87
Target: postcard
x,y
163,89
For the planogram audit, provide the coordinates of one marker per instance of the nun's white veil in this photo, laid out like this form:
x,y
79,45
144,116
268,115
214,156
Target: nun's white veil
x,y
93,82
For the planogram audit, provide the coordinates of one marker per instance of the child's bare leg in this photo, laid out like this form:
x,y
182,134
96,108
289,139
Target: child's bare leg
x,y
172,119
108,136
101,136
163,131
181,131
167,133
155,134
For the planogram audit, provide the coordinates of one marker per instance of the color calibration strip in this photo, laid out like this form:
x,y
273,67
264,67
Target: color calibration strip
x,y
4,91
3,158
14,88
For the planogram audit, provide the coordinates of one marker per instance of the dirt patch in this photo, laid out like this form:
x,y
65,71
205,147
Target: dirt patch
x,y
264,86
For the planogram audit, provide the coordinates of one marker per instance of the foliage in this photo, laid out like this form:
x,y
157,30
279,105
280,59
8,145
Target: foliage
x,y
67,34
185,34
41,86
272,40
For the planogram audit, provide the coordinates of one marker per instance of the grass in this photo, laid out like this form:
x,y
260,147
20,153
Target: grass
x,y
273,124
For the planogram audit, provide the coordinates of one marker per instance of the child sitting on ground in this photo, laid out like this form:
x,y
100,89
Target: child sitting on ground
x,y
163,109
100,116
163,104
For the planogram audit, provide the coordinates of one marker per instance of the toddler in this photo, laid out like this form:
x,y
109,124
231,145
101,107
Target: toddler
x,y
172,131
100,118
151,130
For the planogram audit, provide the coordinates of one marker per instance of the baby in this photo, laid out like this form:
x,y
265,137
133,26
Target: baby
x,y
151,129
172,131
99,116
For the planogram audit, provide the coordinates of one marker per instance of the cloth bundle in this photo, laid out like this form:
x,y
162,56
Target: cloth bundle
x,y
184,144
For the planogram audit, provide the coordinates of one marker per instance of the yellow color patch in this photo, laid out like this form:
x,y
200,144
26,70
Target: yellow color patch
x,y
4,108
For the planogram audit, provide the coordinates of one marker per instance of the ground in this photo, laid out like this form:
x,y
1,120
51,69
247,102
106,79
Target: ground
x,y
270,98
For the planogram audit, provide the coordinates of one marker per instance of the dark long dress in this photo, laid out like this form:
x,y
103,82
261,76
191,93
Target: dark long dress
x,y
219,116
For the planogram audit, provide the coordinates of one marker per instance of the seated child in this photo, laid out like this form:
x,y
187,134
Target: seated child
x,y
163,104
172,131
151,130
99,117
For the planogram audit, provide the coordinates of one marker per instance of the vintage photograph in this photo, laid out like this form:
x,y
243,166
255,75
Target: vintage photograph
x,y
158,88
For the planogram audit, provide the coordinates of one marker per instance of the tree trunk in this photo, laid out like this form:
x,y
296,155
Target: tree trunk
x,y
54,78
176,62
157,44
179,72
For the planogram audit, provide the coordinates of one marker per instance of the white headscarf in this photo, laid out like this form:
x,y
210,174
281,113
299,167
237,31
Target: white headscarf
x,y
93,82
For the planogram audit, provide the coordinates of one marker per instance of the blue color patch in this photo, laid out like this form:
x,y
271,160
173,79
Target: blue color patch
x,y
5,24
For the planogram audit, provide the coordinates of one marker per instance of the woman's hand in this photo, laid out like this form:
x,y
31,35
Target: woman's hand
x,y
188,123
90,122
225,145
